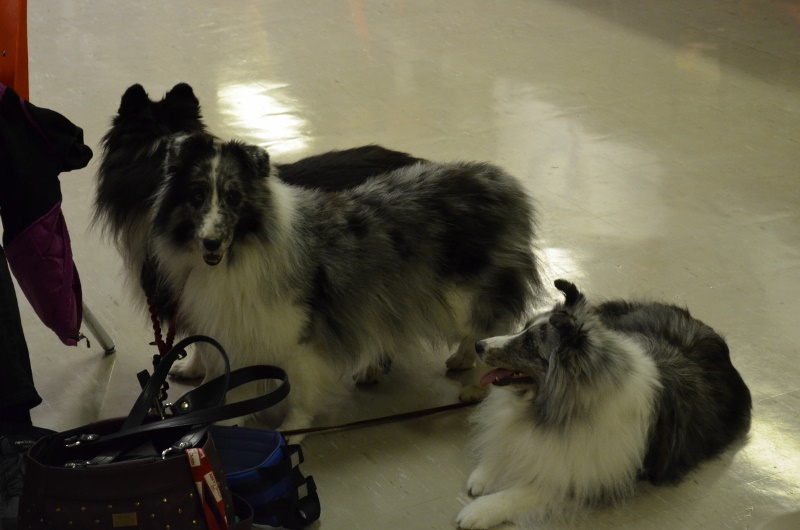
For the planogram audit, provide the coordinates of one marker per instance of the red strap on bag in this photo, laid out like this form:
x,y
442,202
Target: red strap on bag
x,y
208,489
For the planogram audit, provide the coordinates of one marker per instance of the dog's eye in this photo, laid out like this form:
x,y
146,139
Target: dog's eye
x,y
233,197
197,197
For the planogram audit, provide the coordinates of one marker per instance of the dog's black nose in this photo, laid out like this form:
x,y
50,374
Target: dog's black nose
x,y
480,347
212,244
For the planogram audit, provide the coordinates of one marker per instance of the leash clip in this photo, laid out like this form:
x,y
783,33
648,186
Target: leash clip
x,y
177,447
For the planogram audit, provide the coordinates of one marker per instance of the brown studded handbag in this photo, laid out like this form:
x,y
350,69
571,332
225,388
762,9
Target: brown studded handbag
x,y
142,471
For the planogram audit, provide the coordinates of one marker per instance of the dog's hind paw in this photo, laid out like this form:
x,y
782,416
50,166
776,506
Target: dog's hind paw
x,y
295,439
295,420
483,513
472,394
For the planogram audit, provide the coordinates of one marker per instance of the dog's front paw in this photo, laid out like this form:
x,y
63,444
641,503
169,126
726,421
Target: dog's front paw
x,y
472,394
190,368
482,513
477,483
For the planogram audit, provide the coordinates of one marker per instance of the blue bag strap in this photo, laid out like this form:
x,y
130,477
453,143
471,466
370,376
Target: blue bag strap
x,y
296,510
260,479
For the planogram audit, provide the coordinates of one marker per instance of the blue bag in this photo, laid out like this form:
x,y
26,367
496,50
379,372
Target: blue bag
x,y
261,468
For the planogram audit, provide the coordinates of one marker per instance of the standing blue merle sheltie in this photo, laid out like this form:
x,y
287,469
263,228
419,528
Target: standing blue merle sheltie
x,y
588,399
328,284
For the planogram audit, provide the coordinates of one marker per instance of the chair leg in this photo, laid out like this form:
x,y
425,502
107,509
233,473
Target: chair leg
x,y
97,330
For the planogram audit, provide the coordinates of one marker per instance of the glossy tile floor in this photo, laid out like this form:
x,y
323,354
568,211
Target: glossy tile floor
x,y
660,138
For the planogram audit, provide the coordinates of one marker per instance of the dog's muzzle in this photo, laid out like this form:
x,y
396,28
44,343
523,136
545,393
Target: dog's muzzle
x,y
211,256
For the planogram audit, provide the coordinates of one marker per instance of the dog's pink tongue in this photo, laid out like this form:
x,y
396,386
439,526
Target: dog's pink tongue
x,y
494,375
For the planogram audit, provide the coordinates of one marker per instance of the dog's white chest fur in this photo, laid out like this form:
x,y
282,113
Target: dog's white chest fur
x,y
238,304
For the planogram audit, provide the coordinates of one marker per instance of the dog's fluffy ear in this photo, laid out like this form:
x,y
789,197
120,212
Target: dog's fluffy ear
x,y
572,340
182,92
258,159
570,291
134,101
181,100
565,325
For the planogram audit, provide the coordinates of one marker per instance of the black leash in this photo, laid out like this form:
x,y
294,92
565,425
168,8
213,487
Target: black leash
x,y
164,346
384,419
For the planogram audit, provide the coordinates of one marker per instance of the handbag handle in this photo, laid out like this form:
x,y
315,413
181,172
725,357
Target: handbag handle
x,y
202,406
195,403
151,390
199,419
223,412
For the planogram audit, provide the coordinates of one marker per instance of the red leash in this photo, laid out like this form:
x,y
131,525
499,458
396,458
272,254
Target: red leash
x,y
163,346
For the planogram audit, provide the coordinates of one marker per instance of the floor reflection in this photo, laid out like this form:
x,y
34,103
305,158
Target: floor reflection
x,y
263,113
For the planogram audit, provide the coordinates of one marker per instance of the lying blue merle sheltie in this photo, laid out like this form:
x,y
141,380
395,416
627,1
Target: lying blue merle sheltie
x,y
590,398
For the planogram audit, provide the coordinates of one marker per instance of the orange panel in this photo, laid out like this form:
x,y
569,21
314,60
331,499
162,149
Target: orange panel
x,y
14,45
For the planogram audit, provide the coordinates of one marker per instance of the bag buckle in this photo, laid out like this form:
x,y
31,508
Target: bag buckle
x,y
75,441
